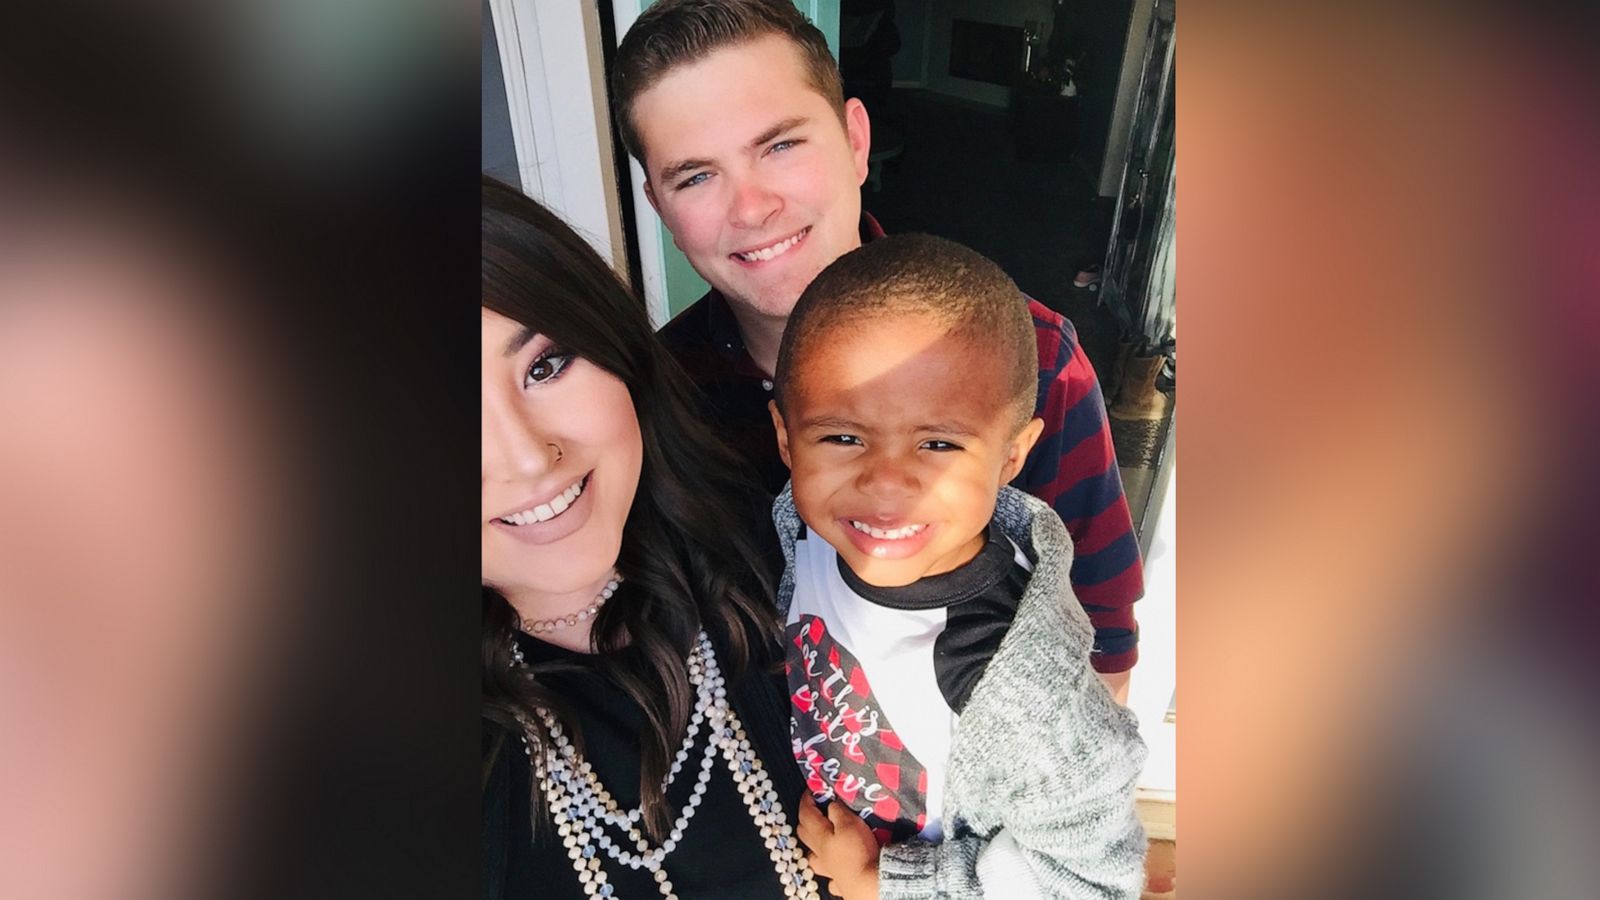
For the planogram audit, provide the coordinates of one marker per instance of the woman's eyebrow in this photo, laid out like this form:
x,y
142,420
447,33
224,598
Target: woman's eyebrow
x,y
519,340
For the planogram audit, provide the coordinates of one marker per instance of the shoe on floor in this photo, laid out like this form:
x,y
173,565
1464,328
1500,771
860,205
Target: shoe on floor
x,y
1137,397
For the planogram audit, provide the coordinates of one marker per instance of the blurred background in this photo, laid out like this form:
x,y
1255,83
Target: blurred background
x,y
237,619
1388,574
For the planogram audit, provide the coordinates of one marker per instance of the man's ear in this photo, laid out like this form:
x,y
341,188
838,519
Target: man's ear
x,y
783,433
1021,445
650,194
859,130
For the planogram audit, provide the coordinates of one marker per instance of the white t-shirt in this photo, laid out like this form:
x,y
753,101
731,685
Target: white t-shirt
x,y
878,676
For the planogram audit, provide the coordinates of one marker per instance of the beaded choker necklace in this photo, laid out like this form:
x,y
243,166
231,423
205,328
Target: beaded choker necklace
x,y
545,626
583,809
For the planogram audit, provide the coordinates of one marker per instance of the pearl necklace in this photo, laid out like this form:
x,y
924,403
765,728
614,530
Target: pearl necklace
x,y
545,626
582,808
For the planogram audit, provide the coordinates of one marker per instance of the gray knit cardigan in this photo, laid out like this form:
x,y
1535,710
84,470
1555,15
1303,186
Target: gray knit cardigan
x,y
1041,749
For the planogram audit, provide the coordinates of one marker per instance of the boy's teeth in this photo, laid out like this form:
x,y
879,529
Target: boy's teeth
x,y
769,252
546,511
889,534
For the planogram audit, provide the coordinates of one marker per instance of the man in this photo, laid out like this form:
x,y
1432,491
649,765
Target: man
x,y
754,160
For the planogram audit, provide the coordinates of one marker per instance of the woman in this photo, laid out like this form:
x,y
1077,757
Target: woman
x,y
628,755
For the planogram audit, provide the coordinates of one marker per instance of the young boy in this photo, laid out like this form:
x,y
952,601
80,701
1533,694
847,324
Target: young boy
x,y
938,663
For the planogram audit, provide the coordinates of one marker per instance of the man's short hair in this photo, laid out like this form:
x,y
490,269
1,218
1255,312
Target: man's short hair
x,y
672,33
922,275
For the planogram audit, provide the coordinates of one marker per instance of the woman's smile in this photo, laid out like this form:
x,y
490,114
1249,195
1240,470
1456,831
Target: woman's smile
x,y
544,512
573,516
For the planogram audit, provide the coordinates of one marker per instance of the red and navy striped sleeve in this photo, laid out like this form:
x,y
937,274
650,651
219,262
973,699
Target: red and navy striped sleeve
x,y
1074,469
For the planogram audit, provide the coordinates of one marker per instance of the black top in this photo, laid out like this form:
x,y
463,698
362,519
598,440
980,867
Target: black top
x,y
721,854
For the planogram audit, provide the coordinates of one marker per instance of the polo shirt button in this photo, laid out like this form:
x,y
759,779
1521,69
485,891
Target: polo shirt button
x,y
766,384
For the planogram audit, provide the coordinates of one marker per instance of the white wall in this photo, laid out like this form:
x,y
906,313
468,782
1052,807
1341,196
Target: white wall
x,y
1155,678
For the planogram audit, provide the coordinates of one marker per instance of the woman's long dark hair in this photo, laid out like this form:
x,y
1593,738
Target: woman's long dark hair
x,y
687,555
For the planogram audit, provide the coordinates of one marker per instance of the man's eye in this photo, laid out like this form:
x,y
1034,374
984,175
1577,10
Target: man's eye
x,y
848,440
547,368
693,180
941,446
781,146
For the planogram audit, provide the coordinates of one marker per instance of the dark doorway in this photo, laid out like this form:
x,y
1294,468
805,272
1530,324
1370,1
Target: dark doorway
x,y
960,176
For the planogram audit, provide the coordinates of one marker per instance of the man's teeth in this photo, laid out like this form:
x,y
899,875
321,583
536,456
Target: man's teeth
x,y
892,534
777,249
546,511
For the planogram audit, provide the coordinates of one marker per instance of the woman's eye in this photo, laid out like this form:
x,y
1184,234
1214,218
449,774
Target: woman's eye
x,y
847,440
941,446
547,368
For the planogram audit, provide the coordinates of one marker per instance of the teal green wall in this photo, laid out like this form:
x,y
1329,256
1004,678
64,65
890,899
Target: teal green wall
x,y
684,284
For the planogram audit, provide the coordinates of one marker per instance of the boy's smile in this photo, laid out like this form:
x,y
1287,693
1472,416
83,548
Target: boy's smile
x,y
886,540
899,436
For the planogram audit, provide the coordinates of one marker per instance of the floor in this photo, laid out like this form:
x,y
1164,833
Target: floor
x,y
1140,447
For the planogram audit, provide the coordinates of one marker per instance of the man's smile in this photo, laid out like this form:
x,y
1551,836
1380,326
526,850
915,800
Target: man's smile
x,y
767,252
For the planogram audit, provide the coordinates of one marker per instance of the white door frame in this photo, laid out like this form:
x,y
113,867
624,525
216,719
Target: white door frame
x,y
652,257
650,229
551,54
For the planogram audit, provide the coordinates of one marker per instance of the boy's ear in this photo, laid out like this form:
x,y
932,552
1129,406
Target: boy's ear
x,y
1020,447
783,433
650,194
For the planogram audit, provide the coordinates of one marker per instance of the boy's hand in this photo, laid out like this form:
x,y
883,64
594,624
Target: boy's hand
x,y
843,849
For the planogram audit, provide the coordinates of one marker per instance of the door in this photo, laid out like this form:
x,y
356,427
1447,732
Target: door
x,y
1136,283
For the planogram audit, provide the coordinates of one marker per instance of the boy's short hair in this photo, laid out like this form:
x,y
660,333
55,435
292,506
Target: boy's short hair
x,y
919,274
673,33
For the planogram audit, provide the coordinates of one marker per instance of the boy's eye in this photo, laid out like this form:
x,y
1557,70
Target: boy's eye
x,y
848,440
941,446
547,368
